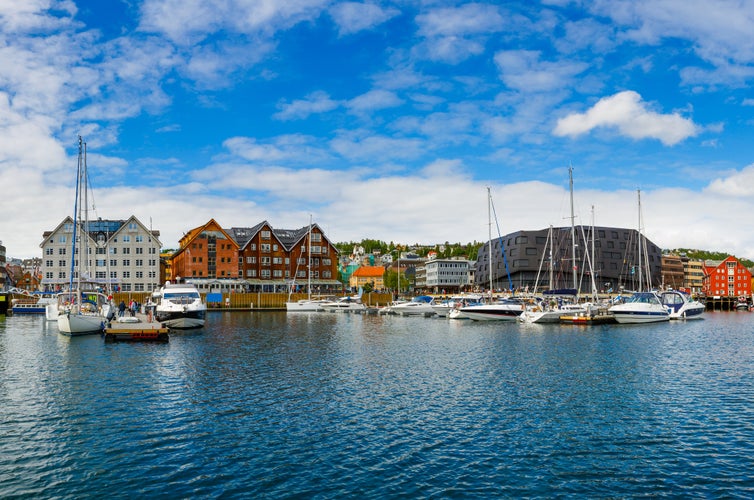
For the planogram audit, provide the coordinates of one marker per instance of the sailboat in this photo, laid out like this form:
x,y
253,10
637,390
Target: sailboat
x,y
642,306
81,311
308,304
546,312
502,309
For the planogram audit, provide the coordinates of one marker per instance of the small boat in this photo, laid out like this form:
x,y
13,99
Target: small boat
x,y
444,308
540,313
344,304
179,305
681,306
641,307
33,304
505,309
308,304
742,304
418,306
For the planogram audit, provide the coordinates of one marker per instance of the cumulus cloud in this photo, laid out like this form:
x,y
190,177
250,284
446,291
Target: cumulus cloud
x,y
352,17
523,70
626,112
374,100
738,185
299,109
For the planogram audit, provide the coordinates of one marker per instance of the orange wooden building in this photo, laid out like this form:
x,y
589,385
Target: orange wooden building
x,y
206,252
728,278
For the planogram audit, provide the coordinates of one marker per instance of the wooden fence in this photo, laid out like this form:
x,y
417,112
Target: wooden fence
x,y
258,300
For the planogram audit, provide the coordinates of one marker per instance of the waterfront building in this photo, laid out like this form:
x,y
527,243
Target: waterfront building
x,y
672,271
205,254
3,276
522,260
444,275
372,275
257,258
693,273
726,278
120,255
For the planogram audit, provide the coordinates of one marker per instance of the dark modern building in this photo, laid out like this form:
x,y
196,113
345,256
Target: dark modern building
x,y
523,260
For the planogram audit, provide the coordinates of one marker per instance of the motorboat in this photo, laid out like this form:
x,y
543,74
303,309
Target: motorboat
x,y
641,307
179,305
33,304
444,308
742,304
344,304
504,309
418,306
543,313
306,305
681,305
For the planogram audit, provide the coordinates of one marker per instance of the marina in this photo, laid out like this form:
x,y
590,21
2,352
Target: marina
x,y
268,405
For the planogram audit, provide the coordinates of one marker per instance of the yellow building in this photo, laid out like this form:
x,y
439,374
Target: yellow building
x,y
367,274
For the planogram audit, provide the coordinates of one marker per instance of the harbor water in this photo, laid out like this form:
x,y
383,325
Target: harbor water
x,y
329,405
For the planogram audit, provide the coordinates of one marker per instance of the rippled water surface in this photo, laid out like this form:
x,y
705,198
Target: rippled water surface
x,y
340,405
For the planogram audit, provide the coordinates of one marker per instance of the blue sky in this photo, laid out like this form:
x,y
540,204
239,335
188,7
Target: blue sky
x,y
382,119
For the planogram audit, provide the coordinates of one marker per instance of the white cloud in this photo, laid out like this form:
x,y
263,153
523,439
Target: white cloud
x,y
523,70
299,109
352,17
736,185
468,19
374,100
627,113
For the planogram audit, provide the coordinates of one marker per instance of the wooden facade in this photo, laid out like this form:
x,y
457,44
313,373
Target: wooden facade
x,y
206,252
728,278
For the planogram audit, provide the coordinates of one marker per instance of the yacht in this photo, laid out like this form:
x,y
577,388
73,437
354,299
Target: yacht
x,y
641,307
348,303
682,306
501,310
179,306
418,306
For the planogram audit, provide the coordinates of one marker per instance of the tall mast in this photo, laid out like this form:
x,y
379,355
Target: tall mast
x,y
573,230
309,262
552,270
641,281
489,234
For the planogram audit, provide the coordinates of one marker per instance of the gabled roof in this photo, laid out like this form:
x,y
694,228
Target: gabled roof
x,y
243,235
369,272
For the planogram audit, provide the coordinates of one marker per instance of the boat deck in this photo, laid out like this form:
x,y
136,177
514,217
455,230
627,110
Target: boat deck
x,y
139,330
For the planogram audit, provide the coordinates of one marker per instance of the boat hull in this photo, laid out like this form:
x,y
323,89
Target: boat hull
x,y
492,313
182,320
73,324
303,306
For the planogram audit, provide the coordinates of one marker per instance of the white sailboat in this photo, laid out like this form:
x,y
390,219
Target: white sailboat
x,y
502,309
308,304
641,307
80,311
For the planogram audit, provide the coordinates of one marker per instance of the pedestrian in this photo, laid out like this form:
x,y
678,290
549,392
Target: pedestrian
x,y
132,307
121,309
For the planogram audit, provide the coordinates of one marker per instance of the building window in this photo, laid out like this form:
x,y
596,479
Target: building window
x,y
265,247
266,235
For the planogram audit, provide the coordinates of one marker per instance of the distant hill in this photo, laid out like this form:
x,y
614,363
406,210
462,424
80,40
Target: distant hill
x,y
707,255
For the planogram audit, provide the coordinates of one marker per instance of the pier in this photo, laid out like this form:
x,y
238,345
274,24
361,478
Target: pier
x,y
136,329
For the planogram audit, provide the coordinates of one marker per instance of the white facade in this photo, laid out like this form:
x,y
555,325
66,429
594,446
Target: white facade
x,y
448,274
122,255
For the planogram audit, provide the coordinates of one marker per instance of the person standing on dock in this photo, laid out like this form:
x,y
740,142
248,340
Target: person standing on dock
x,y
121,309
150,307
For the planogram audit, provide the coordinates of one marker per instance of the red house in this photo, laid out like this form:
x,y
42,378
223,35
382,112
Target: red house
x,y
728,278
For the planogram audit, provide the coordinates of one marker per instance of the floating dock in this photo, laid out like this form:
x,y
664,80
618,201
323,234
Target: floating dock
x,y
136,329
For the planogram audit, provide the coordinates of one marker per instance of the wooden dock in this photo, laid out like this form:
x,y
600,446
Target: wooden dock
x,y
139,330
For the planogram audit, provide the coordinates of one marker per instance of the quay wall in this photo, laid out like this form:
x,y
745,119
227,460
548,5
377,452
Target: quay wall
x,y
257,300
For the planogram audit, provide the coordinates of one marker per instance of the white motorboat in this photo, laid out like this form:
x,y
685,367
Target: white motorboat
x,y
501,310
641,307
444,308
344,304
681,305
418,306
179,305
547,314
306,305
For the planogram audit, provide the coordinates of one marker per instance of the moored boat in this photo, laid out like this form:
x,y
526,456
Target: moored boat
x,y
681,306
641,307
179,305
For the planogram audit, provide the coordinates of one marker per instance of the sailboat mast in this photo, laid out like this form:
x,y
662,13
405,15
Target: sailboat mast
x,y
641,280
309,262
573,230
489,234
75,217
552,270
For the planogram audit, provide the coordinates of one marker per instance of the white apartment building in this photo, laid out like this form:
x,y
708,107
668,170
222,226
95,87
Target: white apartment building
x,y
447,274
121,255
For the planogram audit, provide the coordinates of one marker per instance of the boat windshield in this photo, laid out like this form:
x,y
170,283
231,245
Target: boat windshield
x,y
644,298
181,296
